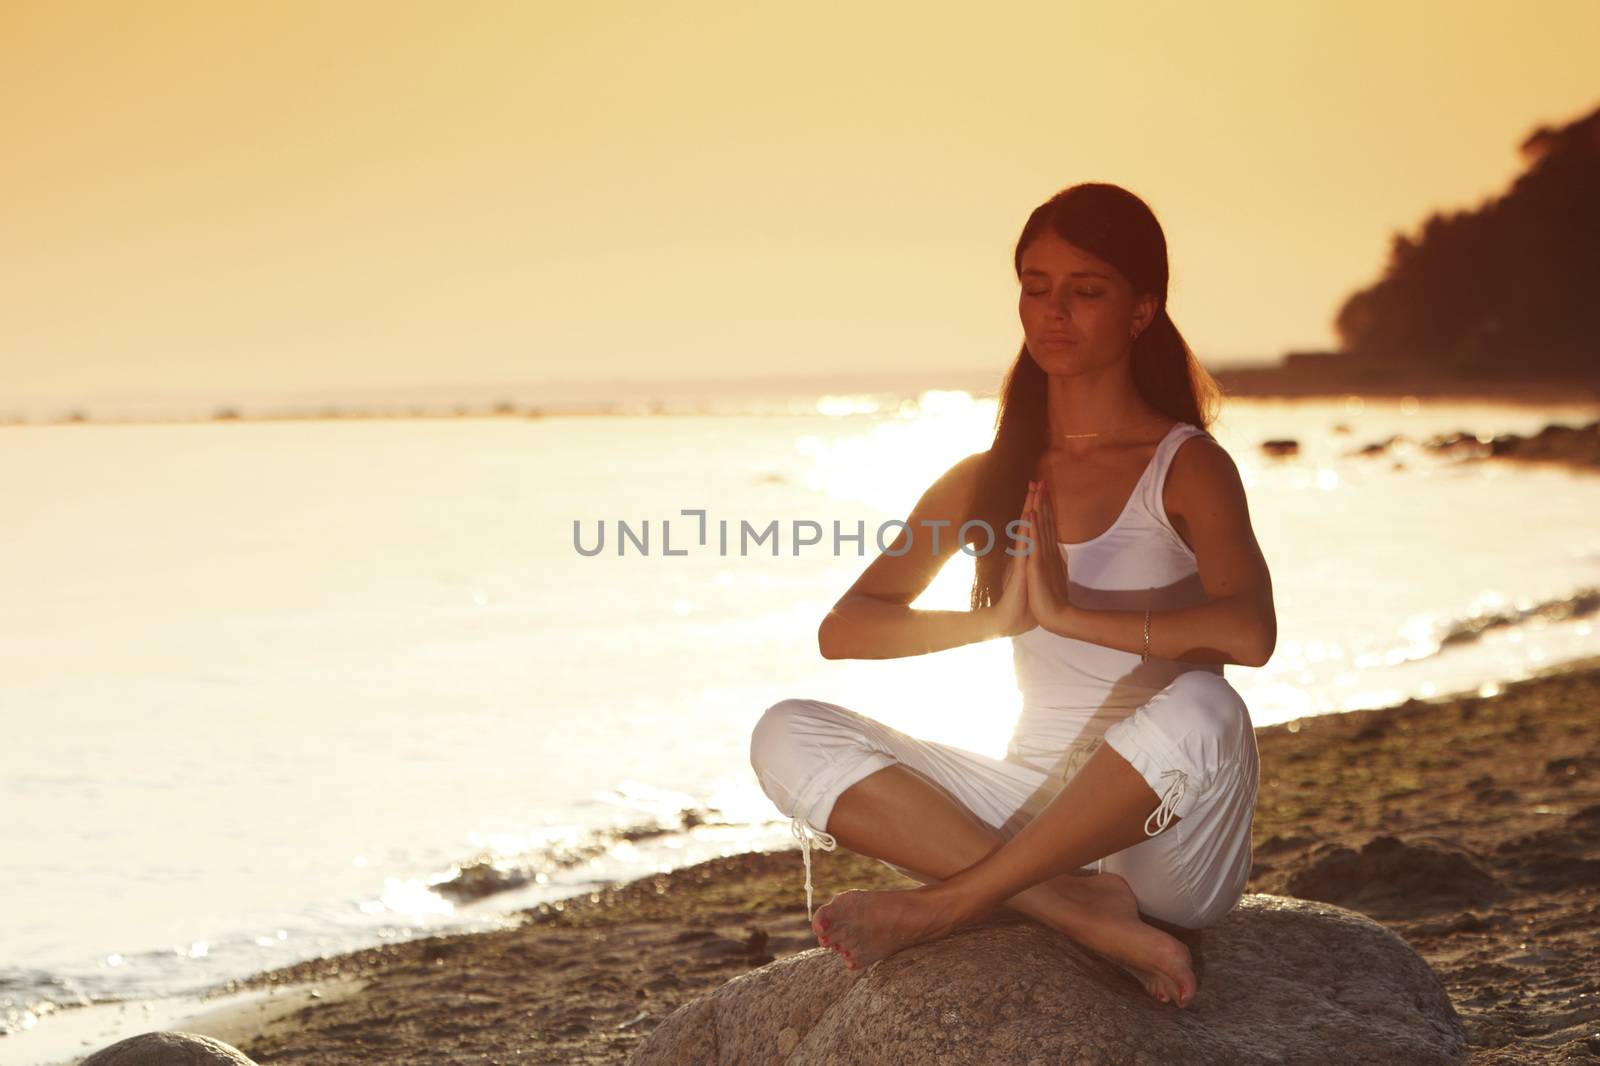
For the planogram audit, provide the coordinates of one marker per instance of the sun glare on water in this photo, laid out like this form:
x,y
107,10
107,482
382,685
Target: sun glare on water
x,y
877,469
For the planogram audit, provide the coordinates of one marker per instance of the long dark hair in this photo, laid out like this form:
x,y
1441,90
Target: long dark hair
x,y
1109,222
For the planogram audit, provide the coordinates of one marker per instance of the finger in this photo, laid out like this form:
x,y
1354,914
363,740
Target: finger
x,y
1040,578
1059,579
1033,557
1026,529
1019,548
1048,517
1046,507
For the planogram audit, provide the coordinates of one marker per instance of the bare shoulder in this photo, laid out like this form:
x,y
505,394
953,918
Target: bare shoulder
x,y
954,489
950,498
1203,484
1202,459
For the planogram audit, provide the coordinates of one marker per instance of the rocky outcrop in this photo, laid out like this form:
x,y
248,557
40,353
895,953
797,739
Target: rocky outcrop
x,y
1286,981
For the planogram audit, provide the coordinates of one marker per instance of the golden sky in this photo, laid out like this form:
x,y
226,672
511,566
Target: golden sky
x,y
220,195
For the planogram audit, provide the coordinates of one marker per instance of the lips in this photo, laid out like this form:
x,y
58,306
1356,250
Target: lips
x,y
1057,338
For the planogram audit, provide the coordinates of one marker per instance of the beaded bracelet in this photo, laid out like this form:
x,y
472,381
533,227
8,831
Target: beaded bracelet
x,y
1146,657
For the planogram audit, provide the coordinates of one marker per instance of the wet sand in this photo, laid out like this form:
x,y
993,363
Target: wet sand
x,y
1470,826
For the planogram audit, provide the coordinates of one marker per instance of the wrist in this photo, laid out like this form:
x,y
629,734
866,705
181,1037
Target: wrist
x,y
992,621
987,623
1064,620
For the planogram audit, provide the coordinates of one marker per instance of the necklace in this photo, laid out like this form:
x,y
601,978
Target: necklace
x,y
1069,436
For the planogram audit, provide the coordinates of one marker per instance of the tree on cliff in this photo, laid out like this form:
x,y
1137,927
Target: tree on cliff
x,y
1509,290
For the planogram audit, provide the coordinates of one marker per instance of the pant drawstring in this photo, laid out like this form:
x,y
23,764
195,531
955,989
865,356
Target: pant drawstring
x,y
1077,755
807,836
1163,812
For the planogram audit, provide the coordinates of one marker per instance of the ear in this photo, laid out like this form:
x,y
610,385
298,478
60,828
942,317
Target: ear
x,y
1145,308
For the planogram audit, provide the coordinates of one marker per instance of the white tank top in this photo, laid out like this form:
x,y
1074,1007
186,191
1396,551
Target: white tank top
x,y
1074,690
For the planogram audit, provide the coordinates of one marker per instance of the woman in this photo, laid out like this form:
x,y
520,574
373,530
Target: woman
x,y
1121,813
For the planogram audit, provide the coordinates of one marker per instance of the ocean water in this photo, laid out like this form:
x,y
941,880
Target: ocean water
x,y
275,689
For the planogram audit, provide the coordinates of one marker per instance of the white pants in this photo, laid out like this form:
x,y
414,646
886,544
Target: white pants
x,y
1192,742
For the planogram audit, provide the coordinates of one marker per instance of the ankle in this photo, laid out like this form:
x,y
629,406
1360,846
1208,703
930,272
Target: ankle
x,y
956,905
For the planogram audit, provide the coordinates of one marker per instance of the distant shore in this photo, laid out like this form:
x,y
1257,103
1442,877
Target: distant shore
x,y
1469,825
795,396
1274,382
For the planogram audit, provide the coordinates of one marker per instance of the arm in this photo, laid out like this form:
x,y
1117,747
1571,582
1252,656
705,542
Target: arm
x,y
873,619
1238,623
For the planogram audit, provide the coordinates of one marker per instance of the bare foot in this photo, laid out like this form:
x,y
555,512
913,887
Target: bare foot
x,y
1112,928
862,927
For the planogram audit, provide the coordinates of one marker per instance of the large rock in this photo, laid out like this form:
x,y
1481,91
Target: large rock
x,y
168,1048
1286,981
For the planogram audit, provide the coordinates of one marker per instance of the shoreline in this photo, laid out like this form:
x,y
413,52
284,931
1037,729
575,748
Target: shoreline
x,y
1277,383
1247,382
1375,810
70,1033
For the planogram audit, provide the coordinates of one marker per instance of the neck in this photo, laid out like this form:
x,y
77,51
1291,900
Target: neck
x,y
1103,404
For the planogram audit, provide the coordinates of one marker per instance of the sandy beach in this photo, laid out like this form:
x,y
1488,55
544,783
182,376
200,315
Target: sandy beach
x,y
452,442
1469,825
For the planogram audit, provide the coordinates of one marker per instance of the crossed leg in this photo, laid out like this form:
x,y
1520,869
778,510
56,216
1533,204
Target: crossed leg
x,y
897,815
